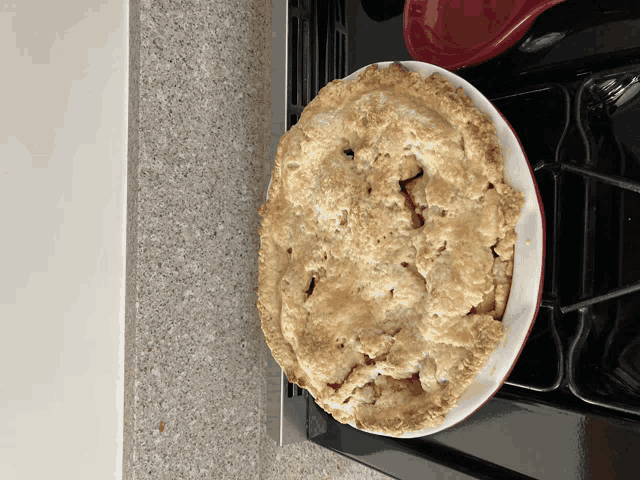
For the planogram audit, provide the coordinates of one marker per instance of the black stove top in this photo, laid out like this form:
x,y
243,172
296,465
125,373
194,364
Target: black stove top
x,y
574,102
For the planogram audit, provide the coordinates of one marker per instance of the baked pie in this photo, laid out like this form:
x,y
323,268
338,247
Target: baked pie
x,y
387,247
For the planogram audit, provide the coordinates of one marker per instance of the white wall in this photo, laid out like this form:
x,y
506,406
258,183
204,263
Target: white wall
x,y
63,98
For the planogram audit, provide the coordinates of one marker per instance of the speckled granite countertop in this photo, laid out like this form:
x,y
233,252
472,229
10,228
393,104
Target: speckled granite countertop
x,y
200,93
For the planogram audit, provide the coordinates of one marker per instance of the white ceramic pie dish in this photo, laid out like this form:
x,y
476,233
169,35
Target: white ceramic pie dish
x,y
526,288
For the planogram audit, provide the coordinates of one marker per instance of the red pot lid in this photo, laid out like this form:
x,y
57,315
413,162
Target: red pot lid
x,y
459,33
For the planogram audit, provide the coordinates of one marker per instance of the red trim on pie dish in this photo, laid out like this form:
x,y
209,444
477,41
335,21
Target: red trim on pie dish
x,y
544,236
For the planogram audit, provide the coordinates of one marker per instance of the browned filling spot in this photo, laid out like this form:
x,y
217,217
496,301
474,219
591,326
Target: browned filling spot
x,y
416,218
415,388
343,219
289,250
312,285
368,360
404,264
336,386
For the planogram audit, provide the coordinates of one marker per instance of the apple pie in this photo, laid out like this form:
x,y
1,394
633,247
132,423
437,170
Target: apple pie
x,y
387,245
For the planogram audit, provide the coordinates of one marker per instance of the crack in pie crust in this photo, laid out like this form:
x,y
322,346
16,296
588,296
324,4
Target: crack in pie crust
x,y
387,248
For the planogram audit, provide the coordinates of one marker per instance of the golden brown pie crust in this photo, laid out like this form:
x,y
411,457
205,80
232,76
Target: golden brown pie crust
x,y
387,249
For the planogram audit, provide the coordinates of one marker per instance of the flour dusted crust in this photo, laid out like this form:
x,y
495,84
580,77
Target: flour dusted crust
x,y
387,249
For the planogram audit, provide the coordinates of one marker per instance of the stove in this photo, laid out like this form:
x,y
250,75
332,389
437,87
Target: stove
x,y
571,90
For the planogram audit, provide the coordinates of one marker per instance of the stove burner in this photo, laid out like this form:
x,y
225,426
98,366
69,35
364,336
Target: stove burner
x,y
381,10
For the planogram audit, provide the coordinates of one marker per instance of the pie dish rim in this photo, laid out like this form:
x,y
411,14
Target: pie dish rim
x,y
496,371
